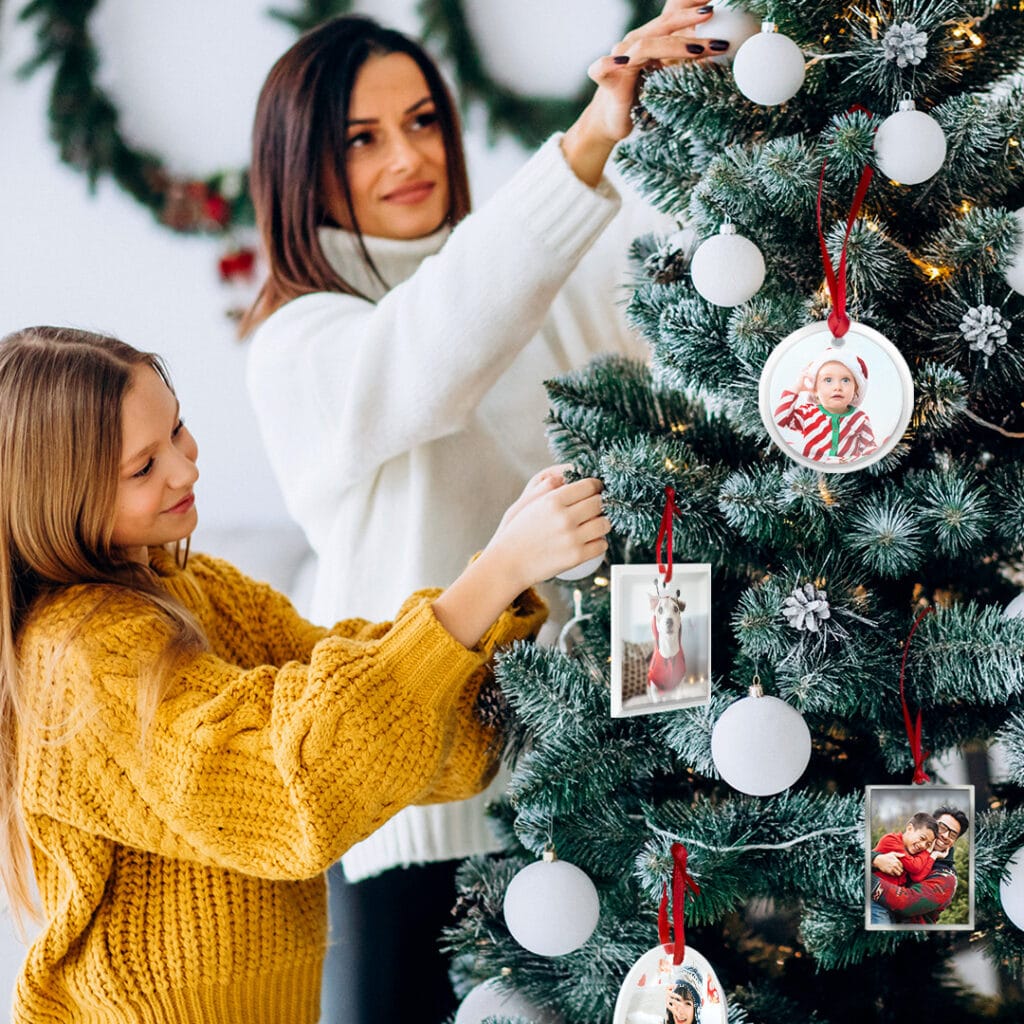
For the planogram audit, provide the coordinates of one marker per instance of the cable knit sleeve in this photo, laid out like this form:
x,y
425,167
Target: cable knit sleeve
x,y
272,771
342,385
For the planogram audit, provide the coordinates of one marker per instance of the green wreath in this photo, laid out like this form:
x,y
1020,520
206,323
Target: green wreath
x,y
84,122
531,119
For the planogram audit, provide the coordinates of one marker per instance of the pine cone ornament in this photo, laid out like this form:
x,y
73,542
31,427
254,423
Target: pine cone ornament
x,y
806,608
492,706
905,44
984,329
667,265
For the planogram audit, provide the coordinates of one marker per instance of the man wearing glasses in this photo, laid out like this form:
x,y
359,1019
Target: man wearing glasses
x,y
922,902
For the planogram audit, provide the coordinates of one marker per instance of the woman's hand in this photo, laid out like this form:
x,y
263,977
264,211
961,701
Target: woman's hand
x,y
666,39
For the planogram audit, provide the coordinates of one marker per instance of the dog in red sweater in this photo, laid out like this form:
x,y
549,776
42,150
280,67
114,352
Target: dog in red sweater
x,y
667,667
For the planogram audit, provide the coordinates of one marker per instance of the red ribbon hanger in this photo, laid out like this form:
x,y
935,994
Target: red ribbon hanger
x,y
838,321
914,728
681,881
665,535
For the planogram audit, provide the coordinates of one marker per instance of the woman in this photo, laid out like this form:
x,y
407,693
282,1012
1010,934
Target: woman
x,y
683,999
399,346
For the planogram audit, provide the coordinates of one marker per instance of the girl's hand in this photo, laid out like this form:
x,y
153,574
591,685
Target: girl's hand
x,y
551,528
664,40
540,483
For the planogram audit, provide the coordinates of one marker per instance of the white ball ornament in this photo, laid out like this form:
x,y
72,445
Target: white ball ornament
x,y
760,745
769,67
1011,889
1014,273
727,269
490,999
581,571
731,23
551,907
910,146
1015,609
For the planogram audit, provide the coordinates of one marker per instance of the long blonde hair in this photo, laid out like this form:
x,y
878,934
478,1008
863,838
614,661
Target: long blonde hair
x,y
61,392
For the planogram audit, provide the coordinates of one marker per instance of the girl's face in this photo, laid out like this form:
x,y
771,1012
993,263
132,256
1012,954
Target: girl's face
x,y
154,503
394,154
680,1005
835,387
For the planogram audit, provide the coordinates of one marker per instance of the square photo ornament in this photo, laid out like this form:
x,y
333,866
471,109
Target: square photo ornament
x,y
661,638
919,858
836,404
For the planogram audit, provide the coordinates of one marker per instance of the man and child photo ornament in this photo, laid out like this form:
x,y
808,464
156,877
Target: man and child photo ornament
x,y
661,638
836,404
656,991
919,858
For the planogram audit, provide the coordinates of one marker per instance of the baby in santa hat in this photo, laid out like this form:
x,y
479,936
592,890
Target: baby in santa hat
x,y
824,408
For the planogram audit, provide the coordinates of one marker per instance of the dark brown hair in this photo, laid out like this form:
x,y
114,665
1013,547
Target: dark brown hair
x,y
301,123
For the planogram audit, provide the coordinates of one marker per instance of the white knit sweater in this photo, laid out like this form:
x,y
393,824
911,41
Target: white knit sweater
x,y
401,429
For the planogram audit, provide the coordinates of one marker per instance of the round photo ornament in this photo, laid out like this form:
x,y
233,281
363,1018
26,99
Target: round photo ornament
x,y
656,990
836,396
836,404
672,982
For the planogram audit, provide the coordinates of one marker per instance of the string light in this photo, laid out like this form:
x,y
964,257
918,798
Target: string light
x,y
932,272
967,29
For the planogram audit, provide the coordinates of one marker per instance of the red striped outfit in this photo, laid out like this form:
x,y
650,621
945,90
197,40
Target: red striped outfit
x,y
846,435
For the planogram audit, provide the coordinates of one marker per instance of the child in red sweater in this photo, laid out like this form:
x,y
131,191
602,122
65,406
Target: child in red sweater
x,y
914,844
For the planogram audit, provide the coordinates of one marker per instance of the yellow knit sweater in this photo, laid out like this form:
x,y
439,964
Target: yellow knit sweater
x,y
185,884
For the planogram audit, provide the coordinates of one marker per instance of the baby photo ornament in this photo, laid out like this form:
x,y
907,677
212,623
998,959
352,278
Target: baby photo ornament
x,y
657,992
661,638
836,404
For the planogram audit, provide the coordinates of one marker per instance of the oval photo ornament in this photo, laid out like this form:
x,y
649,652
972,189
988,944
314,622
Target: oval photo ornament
x,y
836,404
655,991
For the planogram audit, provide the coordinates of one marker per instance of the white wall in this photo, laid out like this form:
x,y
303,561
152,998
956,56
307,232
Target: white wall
x,y
186,76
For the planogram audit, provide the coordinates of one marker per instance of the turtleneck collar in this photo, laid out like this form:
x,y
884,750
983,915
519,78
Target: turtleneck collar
x,y
395,258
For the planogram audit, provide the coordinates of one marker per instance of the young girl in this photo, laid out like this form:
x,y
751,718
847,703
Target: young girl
x,y
182,754
824,408
399,348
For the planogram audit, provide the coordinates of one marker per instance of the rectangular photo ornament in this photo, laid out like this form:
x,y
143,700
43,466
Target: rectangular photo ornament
x,y
661,638
919,858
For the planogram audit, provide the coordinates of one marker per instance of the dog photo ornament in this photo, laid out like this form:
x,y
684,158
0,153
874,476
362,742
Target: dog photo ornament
x,y
661,638
836,404
658,992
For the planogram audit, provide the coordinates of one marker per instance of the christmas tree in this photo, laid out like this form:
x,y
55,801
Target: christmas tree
x,y
820,570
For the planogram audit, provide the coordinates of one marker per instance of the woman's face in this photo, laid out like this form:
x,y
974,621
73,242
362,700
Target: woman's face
x,y
680,1005
394,154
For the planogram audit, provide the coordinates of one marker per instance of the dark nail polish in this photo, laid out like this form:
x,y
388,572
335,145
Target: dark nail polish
x,y
694,48
621,59
706,9
719,44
